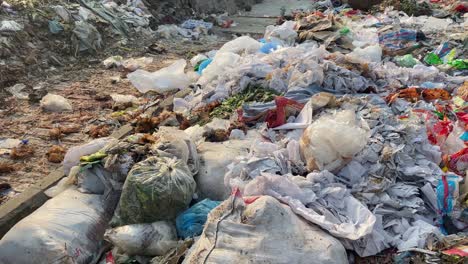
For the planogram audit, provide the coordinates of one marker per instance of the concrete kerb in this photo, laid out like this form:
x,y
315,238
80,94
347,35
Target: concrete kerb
x,y
28,201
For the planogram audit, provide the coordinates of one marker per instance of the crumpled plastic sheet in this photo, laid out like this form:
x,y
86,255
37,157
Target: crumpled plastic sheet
x,y
399,39
390,74
118,17
192,24
334,208
300,95
339,80
88,36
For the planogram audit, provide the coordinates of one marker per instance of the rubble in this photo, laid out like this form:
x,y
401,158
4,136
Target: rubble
x,y
339,136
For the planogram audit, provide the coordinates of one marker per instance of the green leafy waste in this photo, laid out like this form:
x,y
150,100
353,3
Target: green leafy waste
x,y
250,94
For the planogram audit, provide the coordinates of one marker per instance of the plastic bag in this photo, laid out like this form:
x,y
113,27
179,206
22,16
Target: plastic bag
x,y
144,239
263,231
190,223
203,65
269,47
222,62
214,159
64,184
135,64
284,33
92,180
155,189
86,36
162,81
241,44
10,25
368,54
407,61
172,142
332,141
67,229
197,59
55,103
123,99
72,158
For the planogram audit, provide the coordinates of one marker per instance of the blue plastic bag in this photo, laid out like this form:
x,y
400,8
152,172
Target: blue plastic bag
x,y
55,27
446,190
190,223
268,47
203,65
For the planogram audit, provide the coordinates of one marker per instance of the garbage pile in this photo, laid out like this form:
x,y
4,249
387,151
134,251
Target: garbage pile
x,y
339,135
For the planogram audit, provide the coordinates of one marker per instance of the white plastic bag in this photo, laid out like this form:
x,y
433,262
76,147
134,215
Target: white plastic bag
x,y
196,59
264,231
172,142
222,62
332,141
162,81
133,64
10,25
55,103
122,99
284,33
214,159
64,184
68,228
368,54
144,239
72,158
241,44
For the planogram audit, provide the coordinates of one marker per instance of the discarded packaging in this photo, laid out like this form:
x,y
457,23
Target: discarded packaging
x,y
263,230
55,103
155,189
331,141
59,230
190,223
154,239
162,81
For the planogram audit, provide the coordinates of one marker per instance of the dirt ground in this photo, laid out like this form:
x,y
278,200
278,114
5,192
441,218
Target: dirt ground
x,y
88,89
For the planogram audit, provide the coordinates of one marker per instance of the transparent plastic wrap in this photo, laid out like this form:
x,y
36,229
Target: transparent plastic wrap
x,y
332,141
366,55
284,33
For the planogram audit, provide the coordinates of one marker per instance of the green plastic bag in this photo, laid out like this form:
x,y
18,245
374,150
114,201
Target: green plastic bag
x,y
460,64
432,59
155,189
407,61
344,31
